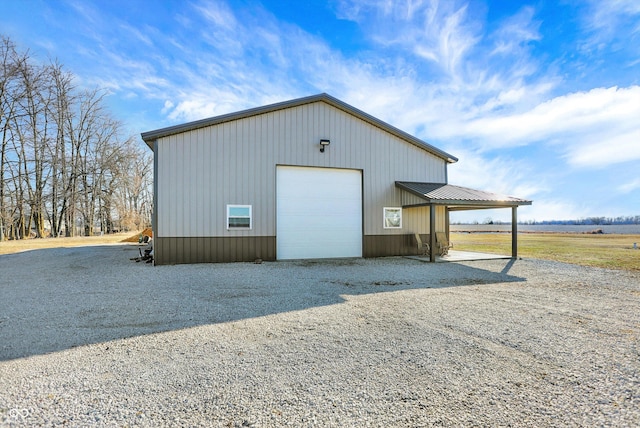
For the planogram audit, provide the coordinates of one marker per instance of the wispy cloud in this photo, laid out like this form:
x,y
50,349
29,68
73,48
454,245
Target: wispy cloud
x,y
436,31
612,25
219,15
630,186
136,34
517,31
605,15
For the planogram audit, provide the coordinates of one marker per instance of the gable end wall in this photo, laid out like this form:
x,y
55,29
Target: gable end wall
x,y
199,172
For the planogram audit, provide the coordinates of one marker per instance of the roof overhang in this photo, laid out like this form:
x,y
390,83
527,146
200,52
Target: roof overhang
x,y
457,198
151,136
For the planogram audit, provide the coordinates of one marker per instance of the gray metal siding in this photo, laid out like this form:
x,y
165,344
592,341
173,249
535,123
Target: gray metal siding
x,y
203,170
407,198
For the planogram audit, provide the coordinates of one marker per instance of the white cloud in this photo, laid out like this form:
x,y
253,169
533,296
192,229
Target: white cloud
x,y
551,209
168,105
592,129
630,186
199,106
606,148
544,209
500,175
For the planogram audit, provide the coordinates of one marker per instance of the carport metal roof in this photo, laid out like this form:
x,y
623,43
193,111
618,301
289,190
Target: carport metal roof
x,y
456,197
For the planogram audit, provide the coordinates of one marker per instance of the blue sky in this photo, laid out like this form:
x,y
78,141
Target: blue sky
x,y
539,100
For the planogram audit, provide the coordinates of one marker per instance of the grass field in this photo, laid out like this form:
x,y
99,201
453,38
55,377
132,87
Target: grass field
x,y
607,251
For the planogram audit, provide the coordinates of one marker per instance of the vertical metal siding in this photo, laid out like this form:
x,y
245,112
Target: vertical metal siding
x,y
407,198
201,171
416,219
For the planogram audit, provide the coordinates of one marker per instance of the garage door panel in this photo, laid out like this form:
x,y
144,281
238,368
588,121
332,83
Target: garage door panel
x,y
339,233
315,210
319,213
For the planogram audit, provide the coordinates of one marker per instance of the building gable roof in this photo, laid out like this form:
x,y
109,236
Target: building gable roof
x,y
448,194
151,136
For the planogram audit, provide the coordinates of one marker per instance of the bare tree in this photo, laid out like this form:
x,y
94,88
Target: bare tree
x,y
134,196
64,164
10,93
61,183
32,130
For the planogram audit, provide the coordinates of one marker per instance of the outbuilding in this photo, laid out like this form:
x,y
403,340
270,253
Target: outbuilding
x,y
303,179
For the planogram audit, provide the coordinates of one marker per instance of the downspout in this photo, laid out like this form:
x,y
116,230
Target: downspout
x,y
446,173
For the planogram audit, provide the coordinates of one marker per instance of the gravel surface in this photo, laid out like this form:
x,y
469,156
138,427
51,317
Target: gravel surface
x,y
89,338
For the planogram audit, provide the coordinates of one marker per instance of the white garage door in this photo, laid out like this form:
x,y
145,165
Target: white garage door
x,y
319,213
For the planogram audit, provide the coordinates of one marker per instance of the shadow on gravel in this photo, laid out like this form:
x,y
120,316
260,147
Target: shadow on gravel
x,y
56,299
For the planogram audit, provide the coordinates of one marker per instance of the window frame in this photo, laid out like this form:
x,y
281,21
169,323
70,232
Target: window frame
x,y
229,217
384,217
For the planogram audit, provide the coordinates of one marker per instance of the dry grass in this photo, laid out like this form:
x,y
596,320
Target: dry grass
x,y
607,251
135,238
8,247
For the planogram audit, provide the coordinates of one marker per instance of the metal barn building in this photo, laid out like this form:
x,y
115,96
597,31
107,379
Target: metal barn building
x,y
308,178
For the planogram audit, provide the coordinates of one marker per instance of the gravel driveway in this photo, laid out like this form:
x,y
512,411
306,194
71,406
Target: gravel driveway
x,y
88,337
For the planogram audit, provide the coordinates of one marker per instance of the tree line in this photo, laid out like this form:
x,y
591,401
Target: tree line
x,y
65,167
589,221
592,221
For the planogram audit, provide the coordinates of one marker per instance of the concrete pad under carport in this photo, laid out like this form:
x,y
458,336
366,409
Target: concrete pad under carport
x,y
461,256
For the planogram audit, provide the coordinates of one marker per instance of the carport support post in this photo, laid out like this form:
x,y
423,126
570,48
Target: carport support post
x,y
432,233
514,232
447,227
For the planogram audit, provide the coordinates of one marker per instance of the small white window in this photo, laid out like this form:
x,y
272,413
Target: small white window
x,y
392,218
239,217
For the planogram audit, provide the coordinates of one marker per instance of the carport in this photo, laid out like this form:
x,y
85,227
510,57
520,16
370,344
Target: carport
x,y
457,198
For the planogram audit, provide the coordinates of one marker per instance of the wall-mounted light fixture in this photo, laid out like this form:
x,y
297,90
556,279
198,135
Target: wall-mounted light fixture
x,y
323,144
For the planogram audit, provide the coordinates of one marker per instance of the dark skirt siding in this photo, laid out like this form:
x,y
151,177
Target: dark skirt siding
x,y
170,251
389,245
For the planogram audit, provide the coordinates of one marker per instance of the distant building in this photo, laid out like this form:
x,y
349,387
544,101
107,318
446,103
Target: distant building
x,y
308,178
